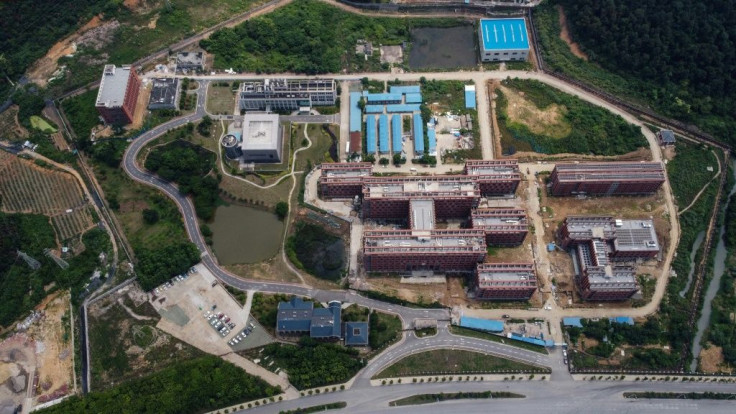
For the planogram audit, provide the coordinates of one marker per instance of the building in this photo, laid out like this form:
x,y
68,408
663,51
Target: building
x,y
189,62
298,317
343,180
118,94
418,134
356,333
286,94
262,140
433,250
606,178
666,137
599,245
503,226
478,324
505,281
470,96
164,94
495,177
232,146
503,39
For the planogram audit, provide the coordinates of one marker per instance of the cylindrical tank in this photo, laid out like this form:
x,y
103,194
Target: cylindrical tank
x,y
232,147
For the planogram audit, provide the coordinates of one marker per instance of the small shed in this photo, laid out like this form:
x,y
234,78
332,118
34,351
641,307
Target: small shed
x,y
666,137
575,322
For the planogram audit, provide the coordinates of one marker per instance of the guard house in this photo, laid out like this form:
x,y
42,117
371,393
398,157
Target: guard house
x,y
118,94
503,40
262,140
164,94
666,137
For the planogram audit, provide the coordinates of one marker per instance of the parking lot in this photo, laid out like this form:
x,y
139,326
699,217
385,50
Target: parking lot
x,y
198,310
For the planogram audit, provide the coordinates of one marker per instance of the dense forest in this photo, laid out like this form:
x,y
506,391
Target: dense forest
x,y
306,37
685,50
188,166
21,287
194,386
157,266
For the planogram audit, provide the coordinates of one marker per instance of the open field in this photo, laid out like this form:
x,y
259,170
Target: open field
x,y
41,124
9,124
446,361
125,342
28,188
221,99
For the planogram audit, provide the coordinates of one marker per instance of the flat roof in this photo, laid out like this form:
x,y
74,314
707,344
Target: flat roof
x,y
374,109
405,89
398,241
504,34
346,169
163,91
510,274
260,132
113,86
422,214
492,167
635,235
382,97
413,98
418,133
407,107
370,134
470,96
355,113
383,133
437,185
488,325
396,134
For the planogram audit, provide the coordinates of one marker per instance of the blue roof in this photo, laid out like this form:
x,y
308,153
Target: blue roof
x,y
383,97
432,141
551,247
355,114
383,134
628,320
294,315
488,325
374,109
393,108
405,89
356,333
572,322
413,98
418,134
370,134
396,131
470,98
326,322
535,341
504,34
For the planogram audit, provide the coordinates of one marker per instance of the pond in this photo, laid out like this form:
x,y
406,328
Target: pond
x,y
443,48
245,235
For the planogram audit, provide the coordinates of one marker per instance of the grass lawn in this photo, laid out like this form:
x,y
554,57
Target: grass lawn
x,y
355,313
453,361
689,170
384,329
220,100
321,143
433,398
41,124
456,330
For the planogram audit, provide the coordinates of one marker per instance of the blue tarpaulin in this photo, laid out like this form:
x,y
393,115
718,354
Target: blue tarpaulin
x,y
370,134
383,134
487,325
418,134
396,130
572,322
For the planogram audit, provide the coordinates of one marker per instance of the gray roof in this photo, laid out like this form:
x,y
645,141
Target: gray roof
x,y
356,333
163,92
667,136
113,85
325,322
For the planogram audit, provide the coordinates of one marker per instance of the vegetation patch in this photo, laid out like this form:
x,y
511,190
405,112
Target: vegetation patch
x,y
689,170
536,117
457,330
447,361
434,398
317,408
193,386
384,329
41,124
319,252
314,364
681,395
157,266
324,42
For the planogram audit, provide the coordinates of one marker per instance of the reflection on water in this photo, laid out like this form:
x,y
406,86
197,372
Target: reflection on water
x,y
245,235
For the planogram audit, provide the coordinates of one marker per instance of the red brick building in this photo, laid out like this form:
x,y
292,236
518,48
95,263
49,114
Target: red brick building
x,y
343,180
118,94
606,178
496,177
503,226
505,281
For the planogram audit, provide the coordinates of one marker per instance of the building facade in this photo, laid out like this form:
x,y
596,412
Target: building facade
x,y
505,281
495,177
343,180
503,226
286,94
118,94
503,40
606,178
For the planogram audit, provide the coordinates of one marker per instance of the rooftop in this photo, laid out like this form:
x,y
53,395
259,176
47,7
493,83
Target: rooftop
x,y
260,132
164,91
325,322
499,217
356,333
478,324
508,274
113,86
422,214
492,167
294,315
406,186
504,34
434,240
667,136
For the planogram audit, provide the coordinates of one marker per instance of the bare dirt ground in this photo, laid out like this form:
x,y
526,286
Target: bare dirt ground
x,y
565,36
17,366
58,138
548,121
711,360
10,126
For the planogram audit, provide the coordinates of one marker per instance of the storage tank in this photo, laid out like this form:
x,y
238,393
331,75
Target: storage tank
x,y
232,147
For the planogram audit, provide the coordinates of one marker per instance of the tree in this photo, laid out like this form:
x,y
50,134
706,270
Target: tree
x,y
398,159
282,209
383,161
204,127
150,216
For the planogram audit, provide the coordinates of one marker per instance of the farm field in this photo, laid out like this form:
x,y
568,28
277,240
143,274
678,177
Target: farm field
x,y
41,124
9,124
28,188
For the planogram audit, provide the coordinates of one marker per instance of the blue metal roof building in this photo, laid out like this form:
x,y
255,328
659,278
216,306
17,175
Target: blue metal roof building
x,y
355,113
503,39
432,138
370,134
294,316
418,134
383,98
628,320
405,89
401,108
374,109
535,341
470,96
396,130
572,322
326,322
356,333
383,134
413,98
487,325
